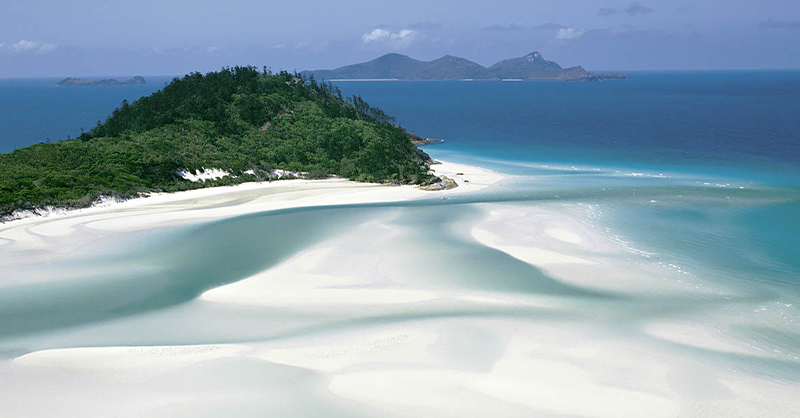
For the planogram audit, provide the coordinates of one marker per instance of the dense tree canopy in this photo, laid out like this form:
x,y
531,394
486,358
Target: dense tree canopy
x,y
236,119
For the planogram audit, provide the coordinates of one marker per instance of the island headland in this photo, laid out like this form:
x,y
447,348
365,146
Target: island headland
x,y
221,128
531,67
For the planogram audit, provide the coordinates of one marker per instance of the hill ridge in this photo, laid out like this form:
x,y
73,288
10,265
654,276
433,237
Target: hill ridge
x,y
239,121
396,66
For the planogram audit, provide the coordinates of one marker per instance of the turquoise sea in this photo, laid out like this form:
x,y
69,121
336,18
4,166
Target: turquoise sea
x,y
710,137
694,175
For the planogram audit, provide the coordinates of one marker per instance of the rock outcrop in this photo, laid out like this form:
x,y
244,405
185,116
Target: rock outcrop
x,y
439,183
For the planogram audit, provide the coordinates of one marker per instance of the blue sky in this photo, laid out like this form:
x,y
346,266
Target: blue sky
x,y
111,37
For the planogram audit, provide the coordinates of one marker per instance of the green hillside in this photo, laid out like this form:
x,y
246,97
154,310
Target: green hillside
x,y
237,119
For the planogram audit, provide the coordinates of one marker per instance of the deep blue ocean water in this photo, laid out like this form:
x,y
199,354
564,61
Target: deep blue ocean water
x,y
34,110
738,123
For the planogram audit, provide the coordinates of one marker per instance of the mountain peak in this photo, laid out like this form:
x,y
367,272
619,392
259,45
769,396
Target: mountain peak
x,y
393,55
534,57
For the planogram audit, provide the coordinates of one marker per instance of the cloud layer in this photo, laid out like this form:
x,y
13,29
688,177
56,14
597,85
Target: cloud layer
x,y
633,9
385,37
26,46
569,33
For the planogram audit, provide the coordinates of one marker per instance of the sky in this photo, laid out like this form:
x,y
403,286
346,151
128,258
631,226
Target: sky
x,y
49,38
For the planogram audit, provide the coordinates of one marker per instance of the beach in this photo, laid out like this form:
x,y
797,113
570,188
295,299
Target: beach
x,y
206,204
336,298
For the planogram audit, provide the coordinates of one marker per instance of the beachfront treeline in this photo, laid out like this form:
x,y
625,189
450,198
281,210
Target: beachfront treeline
x,y
237,119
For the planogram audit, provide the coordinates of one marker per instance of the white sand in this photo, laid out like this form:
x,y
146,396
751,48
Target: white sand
x,y
204,174
559,240
564,388
532,255
152,380
696,335
126,359
564,235
196,206
411,369
469,178
311,287
381,336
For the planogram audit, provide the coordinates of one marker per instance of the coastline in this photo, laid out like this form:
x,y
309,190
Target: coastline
x,y
375,318
206,204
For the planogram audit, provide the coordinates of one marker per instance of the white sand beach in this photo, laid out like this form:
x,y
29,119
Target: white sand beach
x,y
374,320
200,205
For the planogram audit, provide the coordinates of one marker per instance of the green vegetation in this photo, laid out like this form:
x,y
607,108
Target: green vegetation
x,y
236,119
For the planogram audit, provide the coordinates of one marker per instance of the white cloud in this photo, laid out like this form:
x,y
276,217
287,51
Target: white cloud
x,y
404,34
211,51
280,46
301,45
569,33
24,46
46,48
400,39
376,35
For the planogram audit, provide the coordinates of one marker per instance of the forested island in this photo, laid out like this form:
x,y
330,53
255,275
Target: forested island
x,y
239,120
82,82
531,67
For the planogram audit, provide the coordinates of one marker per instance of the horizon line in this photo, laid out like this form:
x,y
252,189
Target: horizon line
x,y
3,77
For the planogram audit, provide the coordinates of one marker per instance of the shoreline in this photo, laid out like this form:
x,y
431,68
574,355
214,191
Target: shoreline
x,y
211,203
361,317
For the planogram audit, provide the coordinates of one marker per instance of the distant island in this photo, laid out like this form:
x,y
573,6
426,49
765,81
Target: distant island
x,y
226,127
82,82
531,67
